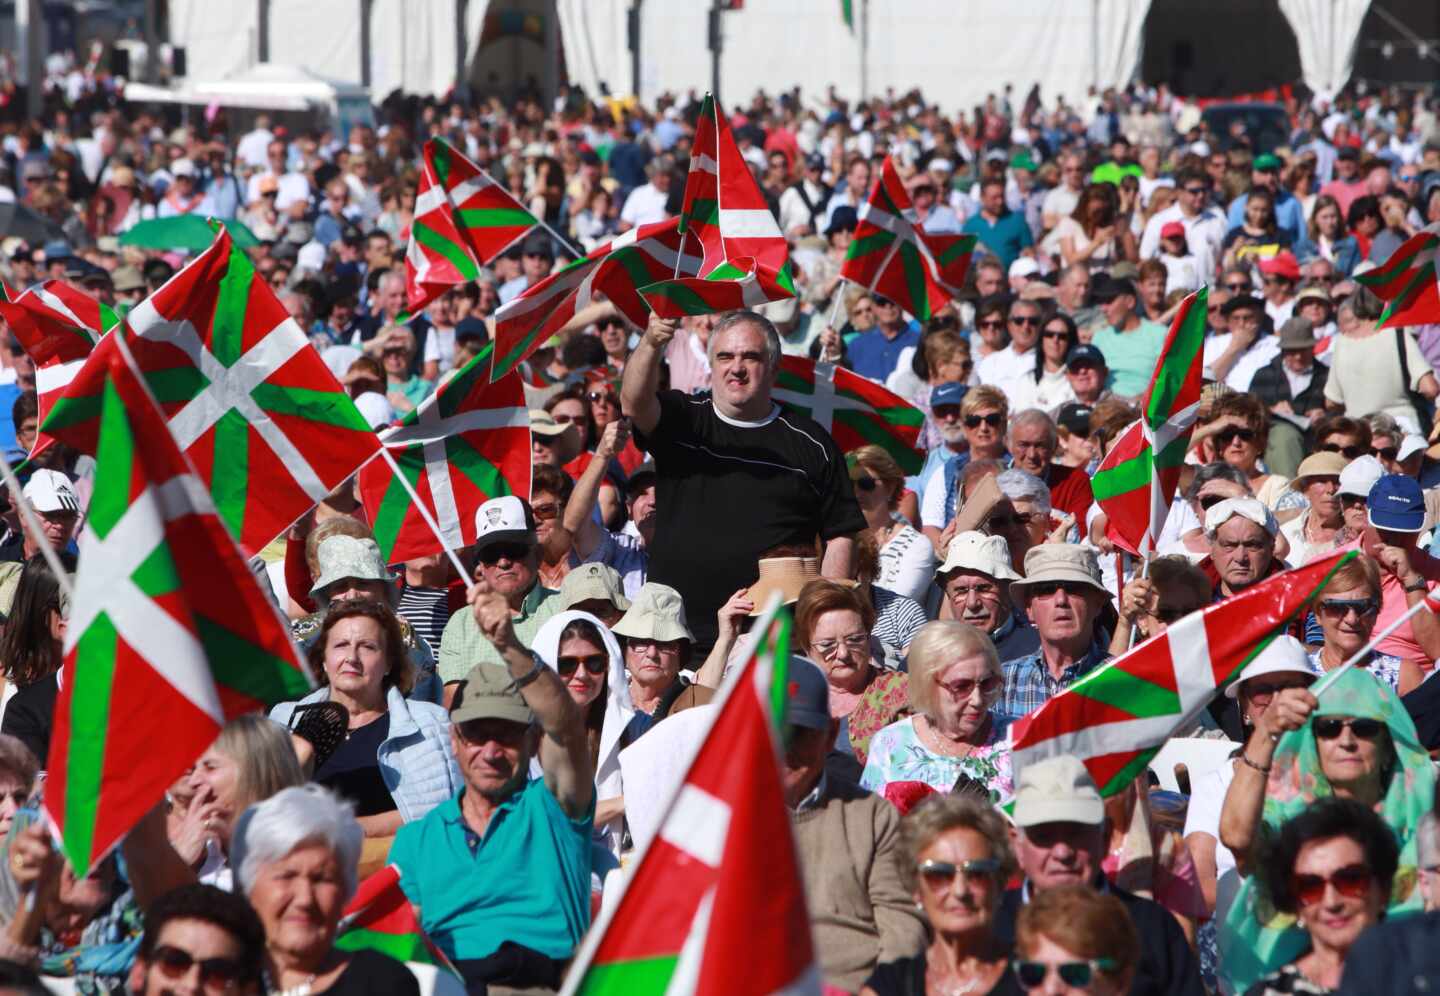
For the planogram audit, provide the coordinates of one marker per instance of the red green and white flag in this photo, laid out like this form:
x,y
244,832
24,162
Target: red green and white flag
x,y
893,256
467,443
744,259
463,220
252,406
168,637
1117,717
1136,481
640,257
718,887
58,326
380,918
855,411
1407,280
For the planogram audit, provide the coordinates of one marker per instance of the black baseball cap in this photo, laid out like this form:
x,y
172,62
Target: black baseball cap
x,y
1108,288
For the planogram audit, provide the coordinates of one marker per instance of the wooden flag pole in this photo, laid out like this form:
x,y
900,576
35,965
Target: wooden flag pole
x,y
425,514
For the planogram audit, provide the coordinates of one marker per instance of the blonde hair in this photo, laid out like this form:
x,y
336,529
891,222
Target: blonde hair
x,y
985,396
938,815
882,467
1358,572
264,755
935,647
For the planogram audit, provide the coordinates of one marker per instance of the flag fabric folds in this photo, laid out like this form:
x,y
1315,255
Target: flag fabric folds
x,y
1117,717
893,256
856,411
467,443
745,262
380,918
168,632
1136,481
719,885
253,407
1407,281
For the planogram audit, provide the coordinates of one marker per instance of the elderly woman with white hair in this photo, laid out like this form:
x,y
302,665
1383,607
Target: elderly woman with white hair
x,y
955,732
296,859
1024,517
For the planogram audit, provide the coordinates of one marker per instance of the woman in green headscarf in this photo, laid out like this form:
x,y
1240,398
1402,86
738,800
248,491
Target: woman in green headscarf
x,y
1355,741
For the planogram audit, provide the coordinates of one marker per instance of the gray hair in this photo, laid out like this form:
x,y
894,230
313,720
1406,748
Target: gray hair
x,y
17,761
1219,470
1365,305
1382,424
1034,416
1024,486
733,318
938,815
305,814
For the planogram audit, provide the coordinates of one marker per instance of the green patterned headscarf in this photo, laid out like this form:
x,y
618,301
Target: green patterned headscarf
x,y
1255,938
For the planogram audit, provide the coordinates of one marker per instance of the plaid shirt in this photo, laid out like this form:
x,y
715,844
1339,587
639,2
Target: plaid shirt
x,y
1029,685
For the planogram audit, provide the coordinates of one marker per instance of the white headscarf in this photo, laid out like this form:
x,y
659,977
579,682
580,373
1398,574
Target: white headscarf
x,y
618,707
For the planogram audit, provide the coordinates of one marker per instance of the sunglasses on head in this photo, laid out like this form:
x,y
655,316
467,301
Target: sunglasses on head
x,y
1348,452
1352,882
939,874
994,420
1076,974
506,551
215,973
1330,727
593,664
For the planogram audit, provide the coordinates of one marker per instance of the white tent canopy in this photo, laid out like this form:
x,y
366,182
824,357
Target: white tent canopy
x,y
267,87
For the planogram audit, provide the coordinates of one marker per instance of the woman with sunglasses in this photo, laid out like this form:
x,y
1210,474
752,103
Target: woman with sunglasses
x,y
1355,741
990,316
1048,386
1236,433
1073,940
586,655
907,559
955,851
1347,609
1332,867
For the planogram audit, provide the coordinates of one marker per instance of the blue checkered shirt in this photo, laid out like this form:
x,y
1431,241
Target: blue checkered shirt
x,y
1029,684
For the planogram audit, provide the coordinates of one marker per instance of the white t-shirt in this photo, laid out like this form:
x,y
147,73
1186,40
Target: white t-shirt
x,y
644,206
1260,353
440,346
932,499
1365,375
1005,366
1048,395
1207,797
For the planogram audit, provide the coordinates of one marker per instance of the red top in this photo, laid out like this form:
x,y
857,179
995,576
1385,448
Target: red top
x,y
1070,491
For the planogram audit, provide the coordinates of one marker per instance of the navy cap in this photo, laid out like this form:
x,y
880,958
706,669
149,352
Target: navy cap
x,y
949,393
807,695
1396,503
1085,353
1107,288
843,218
1074,418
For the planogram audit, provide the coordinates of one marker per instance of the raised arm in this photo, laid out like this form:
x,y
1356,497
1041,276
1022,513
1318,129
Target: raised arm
x,y
638,389
1245,802
579,524
564,753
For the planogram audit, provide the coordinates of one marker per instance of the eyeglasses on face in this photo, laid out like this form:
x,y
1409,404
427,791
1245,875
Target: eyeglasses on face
x,y
1058,335
1076,974
990,323
994,420
1330,727
661,646
866,483
216,974
855,643
964,688
548,510
593,664
1225,436
1030,321
939,874
1348,452
1352,882
1238,287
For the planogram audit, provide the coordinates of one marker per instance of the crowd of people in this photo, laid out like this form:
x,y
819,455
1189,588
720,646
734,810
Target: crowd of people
x,y
469,729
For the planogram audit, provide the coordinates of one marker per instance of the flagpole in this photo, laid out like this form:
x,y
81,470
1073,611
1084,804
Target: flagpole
x,y
425,514
839,300
561,239
1365,651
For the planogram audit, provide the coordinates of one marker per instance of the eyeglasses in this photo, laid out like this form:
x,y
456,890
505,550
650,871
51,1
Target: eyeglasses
x,y
594,664
1059,335
980,589
1076,974
1195,191
607,397
994,420
1340,607
1330,727
1225,436
1238,287
866,484
855,643
496,552
939,874
963,689
1030,321
1004,521
549,510
1045,589
1352,882
1388,453
992,324
944,412
1348,452
220,974
1352,501
661,646
567,419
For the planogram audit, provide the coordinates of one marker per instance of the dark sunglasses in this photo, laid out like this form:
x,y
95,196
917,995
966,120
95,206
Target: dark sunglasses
x,y
994,420
507,551
1352,882
1388,453
1210,501
1032,321
1171,616
605,396
1339,607
1060,335
594,664
1330,727
1076,974
1195,191
216,973
1348,452
1045,589
866,483
1238,288
938,874
1224,436
993,324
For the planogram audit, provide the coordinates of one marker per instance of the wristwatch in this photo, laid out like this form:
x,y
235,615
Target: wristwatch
x,y
1417,585
530,675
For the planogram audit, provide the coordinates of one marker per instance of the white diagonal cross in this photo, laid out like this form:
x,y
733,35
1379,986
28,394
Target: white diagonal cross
x,y
824,402
229,388
105,585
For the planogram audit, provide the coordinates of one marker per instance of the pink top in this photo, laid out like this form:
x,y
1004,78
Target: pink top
x,y
689,367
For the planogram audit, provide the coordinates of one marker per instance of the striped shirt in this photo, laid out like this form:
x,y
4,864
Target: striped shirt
x,y
427,610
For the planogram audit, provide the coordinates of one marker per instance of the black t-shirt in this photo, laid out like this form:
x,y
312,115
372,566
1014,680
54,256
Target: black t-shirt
x,y
371,973
727,491
353,771
906,977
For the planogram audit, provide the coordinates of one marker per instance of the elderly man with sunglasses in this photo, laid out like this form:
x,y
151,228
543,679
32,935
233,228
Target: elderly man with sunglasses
x,y
1062,595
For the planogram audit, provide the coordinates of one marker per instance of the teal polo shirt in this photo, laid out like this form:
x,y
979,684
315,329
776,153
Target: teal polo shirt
x,y
527,880
1005,238
1131,355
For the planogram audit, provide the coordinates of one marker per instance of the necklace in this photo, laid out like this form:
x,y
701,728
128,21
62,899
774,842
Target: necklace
x,y
939,985
949,747
303,989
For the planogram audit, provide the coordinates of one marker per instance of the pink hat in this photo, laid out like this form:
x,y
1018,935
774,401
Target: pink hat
x,y
1282,264
1172,230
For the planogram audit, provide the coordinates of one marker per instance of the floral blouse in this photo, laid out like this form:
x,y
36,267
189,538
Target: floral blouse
x,y
884,700
898,755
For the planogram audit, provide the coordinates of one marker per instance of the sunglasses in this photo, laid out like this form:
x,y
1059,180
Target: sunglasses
x,y
1348,452
605,396
1340,607
215,973
963,689
1076,974
939,874
1330,727
1225,436
1030,321
1059,336
594,664
1238,288
855,643
1266,692
866,484
549,510
1352,882
506,551
885,302
1388,453
992,324
1073,589
1351,501
994,420
1195,191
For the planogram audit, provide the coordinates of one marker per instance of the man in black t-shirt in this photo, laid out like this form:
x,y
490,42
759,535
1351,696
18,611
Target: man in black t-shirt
x,y
734,475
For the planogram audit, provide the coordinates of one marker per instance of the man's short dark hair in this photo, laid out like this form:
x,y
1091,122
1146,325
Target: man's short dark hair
x,y
25,406
993,181
1326,818
216,907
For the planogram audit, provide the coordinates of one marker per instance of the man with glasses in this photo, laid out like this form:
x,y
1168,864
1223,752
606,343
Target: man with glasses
x,y
1004,367
507,563
199,939
1204,223
1129,343
875,353
1062,596
975,580
1061,841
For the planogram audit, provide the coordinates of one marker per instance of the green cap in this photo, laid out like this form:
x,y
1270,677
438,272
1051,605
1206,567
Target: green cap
x,y
488,693
1022,160
1266,164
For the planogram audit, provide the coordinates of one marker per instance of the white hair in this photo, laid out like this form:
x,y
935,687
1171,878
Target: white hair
x,y
1022,485
303,814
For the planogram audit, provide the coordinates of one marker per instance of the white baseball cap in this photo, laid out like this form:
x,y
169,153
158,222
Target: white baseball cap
x,y
1246,508
1284,654
1410,445
376,409
1057,790
51,491
506,519
1359,476
1024,267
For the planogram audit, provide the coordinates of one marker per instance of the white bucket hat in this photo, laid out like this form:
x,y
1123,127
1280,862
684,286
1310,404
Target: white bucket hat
x,y
1284,655
657,613
975,551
